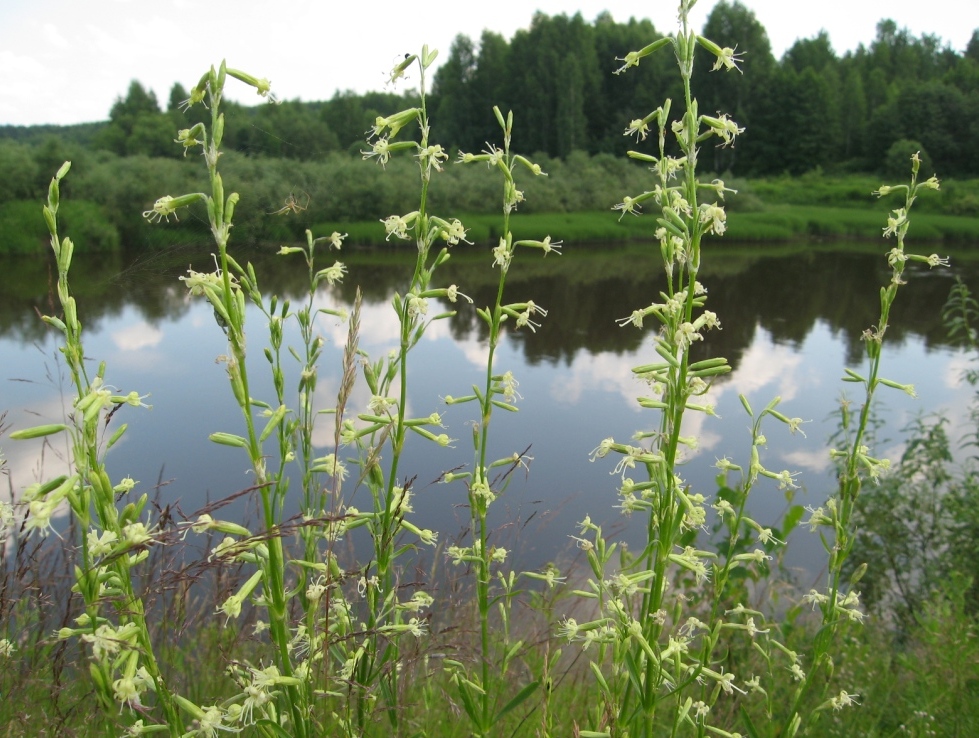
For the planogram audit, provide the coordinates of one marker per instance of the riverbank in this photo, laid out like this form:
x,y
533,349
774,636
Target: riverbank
x,y
774,223
808,208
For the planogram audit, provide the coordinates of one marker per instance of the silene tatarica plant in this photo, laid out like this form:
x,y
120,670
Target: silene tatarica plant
x,y
669,619
387,426
481,691
114,542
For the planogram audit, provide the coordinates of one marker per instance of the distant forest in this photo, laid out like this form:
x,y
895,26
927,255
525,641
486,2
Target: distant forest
x,y
811,107
811,110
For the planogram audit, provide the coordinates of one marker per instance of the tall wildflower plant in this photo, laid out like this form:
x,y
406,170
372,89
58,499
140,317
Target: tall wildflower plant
x,y
276,696
278,693
667,632
660,661
480,691
114,542
656,663
311,627
373,660
840,603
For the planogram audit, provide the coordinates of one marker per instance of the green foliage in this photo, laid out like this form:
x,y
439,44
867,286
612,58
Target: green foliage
x,y
23,232
288,130
899,153
93,231
581,187
137,126
743,96
20,172
923,681
905,526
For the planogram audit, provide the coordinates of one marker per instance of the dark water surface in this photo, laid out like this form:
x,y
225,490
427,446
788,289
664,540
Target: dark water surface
x,y
791,320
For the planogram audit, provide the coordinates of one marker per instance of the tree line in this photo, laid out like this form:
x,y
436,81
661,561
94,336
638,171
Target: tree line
x,y
811,108
863,112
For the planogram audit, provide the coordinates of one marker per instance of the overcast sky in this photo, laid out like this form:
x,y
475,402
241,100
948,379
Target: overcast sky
x,y
66,61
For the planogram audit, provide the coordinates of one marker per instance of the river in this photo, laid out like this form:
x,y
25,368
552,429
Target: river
x,y
791,320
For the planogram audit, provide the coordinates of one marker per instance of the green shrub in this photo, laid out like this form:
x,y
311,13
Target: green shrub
x,y
896,160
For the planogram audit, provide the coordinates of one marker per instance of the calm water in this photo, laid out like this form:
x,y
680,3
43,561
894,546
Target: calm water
x,y
791,321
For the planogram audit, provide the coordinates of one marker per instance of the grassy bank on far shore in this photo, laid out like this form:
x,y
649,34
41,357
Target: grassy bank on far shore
x,y
750,220
774,223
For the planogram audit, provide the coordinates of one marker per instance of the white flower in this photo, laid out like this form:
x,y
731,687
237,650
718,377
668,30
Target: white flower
x,y
417,306
332,274
136,534
723,127
568,629
380,149
432,157
628,205
728,59
457,554
126,692
631,60
455,233
715,218
502,255
548,246
395,225
601,451
379,404
844,700
162,210
453,294
893,224
101,545
639,127
40,515
315,590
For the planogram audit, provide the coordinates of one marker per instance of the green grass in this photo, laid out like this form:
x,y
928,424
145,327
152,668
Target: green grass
x,y
927,679
773,223
792,222
812,206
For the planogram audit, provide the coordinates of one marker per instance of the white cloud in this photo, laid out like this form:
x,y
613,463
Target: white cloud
x,y
137,336
605,372
475,352
766,363
35,459
955,369
817,461
53,36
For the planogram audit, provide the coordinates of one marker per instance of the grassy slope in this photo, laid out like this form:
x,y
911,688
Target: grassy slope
x,y
772,223
813,206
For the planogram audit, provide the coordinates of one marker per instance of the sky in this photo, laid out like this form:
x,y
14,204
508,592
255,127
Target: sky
x,y
66,61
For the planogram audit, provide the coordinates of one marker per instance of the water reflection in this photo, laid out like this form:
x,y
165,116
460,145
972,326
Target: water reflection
x,y
791,320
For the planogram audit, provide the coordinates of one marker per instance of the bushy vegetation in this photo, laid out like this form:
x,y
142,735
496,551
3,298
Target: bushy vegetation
x,y
809,110
350,194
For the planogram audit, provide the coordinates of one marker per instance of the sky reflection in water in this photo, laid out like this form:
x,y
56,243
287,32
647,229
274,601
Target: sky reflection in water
x,y
790,323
